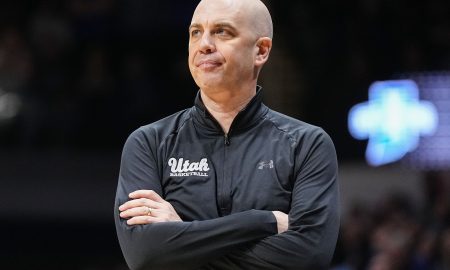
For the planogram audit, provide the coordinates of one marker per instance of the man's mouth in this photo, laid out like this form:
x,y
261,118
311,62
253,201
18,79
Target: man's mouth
x,y
208,64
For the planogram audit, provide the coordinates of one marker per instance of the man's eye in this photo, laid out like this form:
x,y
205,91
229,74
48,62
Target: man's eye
x,y
195,32
221,32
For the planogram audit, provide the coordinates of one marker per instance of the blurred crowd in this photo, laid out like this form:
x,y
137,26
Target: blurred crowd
x,y
395,234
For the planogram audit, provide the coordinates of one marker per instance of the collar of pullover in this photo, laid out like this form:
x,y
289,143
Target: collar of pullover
x,y
246,118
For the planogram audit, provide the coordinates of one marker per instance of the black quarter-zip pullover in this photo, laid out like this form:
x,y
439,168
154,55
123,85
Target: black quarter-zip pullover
x,y
225,187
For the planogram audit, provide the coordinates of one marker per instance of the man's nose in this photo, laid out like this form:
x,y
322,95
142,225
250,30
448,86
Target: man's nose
x,y
207,44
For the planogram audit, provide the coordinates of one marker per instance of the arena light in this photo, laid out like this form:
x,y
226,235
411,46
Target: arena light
x,y
10,105
433,152
392,120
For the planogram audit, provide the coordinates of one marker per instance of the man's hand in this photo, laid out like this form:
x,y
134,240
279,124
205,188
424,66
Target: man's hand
x,y
146,207
282,221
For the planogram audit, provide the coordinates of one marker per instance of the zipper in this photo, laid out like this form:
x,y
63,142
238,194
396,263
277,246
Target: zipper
x,y
224,195
227,139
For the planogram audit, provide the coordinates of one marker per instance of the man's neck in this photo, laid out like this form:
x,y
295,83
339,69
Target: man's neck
x,y
224,106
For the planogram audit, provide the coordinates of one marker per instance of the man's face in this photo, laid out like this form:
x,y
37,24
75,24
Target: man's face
x,y
222,45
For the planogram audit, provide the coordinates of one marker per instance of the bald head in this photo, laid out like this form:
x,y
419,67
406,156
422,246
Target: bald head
x,y
253,13
229,42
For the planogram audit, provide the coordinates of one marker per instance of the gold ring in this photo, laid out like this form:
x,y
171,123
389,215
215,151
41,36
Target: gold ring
x,y
149,211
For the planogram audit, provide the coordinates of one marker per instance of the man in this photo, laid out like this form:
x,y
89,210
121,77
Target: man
x,y
228,183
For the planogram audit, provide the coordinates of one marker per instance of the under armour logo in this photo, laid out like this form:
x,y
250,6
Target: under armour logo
x,y
265,164
392,120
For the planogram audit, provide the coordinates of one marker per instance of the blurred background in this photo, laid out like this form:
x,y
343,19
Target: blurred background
x,y
77,76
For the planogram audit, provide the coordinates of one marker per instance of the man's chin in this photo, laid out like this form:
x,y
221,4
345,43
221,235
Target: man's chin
x,y
210,81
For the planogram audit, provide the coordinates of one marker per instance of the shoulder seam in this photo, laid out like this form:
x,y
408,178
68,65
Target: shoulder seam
x,y
291,136
185,118
277,127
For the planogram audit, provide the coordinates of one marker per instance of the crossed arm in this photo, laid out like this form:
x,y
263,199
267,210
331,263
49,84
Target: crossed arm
x,y
254,239
162,241
147,207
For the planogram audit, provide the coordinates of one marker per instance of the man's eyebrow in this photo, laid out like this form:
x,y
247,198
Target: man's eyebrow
x,y
219,24
194,25
225,25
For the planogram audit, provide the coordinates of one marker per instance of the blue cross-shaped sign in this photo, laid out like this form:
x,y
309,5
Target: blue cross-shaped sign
x,y
392,120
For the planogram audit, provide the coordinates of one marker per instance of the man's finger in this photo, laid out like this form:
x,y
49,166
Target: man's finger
x,y
139,202
138,211
149,194
141,220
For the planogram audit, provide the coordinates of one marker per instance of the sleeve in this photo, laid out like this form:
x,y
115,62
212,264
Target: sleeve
x,y
176,245
310,241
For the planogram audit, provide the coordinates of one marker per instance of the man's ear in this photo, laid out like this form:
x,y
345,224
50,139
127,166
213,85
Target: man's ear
x,y
263,47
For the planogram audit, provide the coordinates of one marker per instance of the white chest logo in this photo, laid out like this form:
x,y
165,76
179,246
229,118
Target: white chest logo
x,y
183,167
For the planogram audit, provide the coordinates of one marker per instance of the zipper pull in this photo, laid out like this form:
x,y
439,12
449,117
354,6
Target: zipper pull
x,y
227,140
